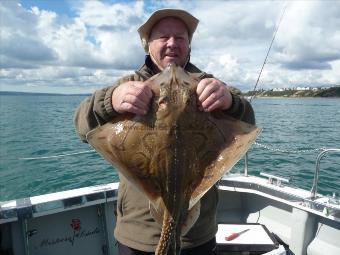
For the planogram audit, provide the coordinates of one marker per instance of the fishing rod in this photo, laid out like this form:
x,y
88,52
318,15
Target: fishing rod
x,y
270,46
258,79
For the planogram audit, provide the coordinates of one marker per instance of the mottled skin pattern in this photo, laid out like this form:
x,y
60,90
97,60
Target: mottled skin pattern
x,y
175,153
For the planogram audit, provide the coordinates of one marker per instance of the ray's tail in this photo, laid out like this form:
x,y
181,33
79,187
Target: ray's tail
x,y
169,242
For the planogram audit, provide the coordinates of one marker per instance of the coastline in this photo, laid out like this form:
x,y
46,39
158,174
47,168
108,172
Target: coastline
x,y
290,97
331,92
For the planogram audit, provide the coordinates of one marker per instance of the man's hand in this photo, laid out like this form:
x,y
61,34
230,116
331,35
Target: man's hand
x,y
212,94
133,97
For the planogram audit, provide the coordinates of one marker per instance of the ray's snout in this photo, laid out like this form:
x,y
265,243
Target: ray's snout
x,y
175,89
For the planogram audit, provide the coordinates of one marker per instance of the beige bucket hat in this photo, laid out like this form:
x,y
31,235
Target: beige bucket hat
x,y
144,30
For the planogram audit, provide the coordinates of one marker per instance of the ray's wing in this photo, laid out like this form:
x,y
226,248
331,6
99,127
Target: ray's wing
x,y
120,144
212,142
128,143
223,144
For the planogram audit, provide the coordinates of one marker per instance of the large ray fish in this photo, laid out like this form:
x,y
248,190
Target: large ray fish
x,y
175,153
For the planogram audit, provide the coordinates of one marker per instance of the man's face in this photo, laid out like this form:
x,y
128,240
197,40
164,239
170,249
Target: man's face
x,y
169,42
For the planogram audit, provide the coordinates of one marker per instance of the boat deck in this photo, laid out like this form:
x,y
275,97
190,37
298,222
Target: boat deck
x,y
81,221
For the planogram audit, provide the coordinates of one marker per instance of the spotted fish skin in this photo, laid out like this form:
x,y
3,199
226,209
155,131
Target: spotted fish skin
x,y
174,99
167,235
175,153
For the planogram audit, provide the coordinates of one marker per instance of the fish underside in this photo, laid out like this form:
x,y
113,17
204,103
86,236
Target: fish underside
x,y
175,153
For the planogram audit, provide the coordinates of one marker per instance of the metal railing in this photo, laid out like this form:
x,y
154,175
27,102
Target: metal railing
x,y
317,171
323,152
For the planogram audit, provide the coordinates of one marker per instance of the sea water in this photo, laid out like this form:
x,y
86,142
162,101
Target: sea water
x,y
40,151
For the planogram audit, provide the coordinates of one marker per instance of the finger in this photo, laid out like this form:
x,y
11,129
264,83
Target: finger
x,y
144,89
201,85
215,105
129,97
136,101
139,94
208,90
127,107
211,100
223,101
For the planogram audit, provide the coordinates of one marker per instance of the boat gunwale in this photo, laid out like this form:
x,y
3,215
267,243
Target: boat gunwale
x,y
46,204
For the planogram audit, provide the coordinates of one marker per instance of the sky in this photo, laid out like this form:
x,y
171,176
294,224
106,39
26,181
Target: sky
x,y
74,46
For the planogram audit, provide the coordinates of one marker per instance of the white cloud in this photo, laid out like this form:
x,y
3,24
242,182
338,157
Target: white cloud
x,y
309,37
305,48
20,46
49,51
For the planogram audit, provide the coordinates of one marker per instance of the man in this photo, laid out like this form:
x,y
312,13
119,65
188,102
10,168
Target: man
x,y
166,37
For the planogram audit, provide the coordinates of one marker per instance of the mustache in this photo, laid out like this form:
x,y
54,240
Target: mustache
x,y
171,53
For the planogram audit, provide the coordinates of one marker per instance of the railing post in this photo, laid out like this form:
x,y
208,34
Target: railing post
x,y
317,170
246,164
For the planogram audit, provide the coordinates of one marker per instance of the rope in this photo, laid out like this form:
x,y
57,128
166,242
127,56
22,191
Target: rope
x,y
270,148
59,156
263,146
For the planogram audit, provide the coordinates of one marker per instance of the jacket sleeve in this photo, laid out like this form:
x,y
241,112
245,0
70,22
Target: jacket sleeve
x,y
241,109
93,111
97,109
